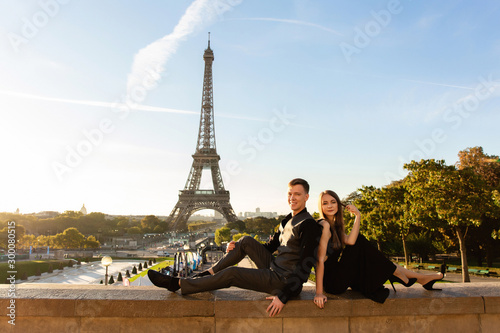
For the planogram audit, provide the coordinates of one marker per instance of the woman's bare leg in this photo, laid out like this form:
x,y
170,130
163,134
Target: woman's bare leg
x,y
405,274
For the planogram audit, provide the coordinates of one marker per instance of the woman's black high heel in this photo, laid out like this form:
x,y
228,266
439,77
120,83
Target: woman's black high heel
x,y
429,285
394,278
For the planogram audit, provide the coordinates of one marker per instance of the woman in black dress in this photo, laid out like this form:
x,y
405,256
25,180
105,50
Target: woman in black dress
x,y
361,266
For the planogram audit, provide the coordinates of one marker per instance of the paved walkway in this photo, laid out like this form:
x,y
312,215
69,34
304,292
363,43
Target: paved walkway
x,y
457,277
86,273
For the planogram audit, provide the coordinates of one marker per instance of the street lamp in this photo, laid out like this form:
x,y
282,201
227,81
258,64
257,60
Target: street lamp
x,y
106,261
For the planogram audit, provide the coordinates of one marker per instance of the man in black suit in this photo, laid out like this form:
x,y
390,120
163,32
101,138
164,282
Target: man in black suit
x,y
296,243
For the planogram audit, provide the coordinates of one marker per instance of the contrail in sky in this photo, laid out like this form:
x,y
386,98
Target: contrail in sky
x,y
440,84
137,107
314,25
150,61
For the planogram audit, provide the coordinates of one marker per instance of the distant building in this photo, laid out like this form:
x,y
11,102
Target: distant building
x,y
83,210
198,217
258,213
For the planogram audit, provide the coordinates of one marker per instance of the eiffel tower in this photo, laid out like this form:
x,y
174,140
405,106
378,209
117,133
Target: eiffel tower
x,y
192,198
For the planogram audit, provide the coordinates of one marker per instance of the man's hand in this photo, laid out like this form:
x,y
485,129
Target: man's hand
x,y
275,307
230,246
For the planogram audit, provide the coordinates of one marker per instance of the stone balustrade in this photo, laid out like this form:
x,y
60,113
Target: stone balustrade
x,y
471,307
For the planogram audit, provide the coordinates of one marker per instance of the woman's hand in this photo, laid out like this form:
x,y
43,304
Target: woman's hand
x,y
320,300
353,210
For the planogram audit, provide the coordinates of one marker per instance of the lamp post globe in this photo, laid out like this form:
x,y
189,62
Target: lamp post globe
x,y
106,261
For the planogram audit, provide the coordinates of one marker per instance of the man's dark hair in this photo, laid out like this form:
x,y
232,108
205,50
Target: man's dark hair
x,y
300,181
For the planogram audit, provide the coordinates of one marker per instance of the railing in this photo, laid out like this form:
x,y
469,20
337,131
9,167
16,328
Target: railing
x,y
203,192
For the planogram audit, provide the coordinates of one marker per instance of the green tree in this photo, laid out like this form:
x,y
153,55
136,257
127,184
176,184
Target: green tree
x,y
91,243
443,197
26,221
43,240
261,225
238,236
238,225
70,238
26,241
122,222
70,214
496,198
222,235
367,202
257,238
487,168
134,230
91,223
421,244
150,222
4,234
392,210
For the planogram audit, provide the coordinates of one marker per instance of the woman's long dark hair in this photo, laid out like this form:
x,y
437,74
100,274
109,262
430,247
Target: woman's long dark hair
x,y
337,225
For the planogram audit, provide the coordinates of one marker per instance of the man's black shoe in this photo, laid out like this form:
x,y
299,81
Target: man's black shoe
x,y
164,281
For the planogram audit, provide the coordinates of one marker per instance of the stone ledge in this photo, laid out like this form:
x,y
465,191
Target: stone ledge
x,y
94,308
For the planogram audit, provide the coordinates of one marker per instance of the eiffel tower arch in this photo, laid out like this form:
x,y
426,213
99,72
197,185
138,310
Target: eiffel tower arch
x,y
193,198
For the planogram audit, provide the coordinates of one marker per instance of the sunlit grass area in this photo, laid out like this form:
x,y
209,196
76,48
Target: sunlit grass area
x,y
156,267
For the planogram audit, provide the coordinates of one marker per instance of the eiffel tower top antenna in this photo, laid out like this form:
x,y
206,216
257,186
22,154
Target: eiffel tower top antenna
x,y
206,134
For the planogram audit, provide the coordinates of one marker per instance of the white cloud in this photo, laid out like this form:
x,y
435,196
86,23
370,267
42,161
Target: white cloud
x,y
149,62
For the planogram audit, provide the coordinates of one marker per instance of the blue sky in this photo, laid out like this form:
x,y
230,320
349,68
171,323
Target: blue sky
x,y
339,93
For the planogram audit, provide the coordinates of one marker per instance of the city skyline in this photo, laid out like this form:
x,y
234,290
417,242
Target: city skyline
x,y
201,213
100,101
